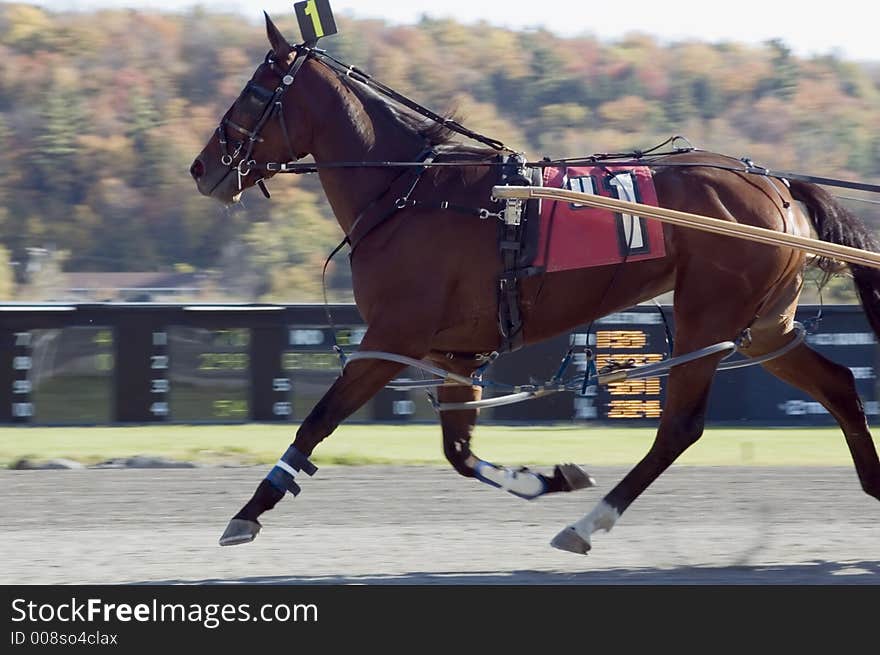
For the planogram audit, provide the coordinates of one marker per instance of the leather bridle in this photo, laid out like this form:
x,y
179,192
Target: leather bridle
x,y
261,104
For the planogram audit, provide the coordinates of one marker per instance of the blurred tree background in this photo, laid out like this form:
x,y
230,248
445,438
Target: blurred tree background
x,y
102,113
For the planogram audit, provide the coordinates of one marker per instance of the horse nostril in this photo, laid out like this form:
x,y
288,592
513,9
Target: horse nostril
x,y
197,169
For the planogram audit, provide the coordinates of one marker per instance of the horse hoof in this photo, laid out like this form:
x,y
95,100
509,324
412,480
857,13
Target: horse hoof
x,y
575,477
571,541
240,531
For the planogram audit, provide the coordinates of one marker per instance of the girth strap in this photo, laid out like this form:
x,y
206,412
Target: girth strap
x,y
510,242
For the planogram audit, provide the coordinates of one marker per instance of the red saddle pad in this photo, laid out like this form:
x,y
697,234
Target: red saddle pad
x,y
575,236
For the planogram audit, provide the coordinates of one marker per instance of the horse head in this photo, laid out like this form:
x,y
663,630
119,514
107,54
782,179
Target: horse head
x,y
257,135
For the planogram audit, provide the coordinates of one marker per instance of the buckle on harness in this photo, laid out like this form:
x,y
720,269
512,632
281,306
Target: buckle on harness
x,y
513,210
514,173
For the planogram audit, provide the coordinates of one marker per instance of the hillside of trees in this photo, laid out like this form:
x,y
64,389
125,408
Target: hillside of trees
x,y
102,113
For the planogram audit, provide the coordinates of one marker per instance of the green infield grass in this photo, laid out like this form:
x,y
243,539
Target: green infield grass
x,y
420,444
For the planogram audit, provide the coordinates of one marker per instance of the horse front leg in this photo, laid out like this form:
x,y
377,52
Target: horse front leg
x,y
458,427
359,382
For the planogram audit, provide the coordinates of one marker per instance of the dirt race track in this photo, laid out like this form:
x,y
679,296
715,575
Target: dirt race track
x,y
418,525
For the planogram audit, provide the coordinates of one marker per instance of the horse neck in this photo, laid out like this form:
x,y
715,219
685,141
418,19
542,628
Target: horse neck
x,y
349,129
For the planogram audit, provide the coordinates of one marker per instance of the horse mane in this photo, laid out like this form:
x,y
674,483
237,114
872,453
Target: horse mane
x,y
436,134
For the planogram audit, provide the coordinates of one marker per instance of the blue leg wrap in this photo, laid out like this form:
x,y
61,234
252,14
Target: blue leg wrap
x,y
522,483
291,462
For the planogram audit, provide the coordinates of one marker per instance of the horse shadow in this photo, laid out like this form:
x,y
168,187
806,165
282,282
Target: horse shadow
x,y
817,572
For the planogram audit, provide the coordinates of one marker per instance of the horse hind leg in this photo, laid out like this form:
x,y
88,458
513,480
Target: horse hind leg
x,y
458,427
684,413
683,419
833,385
680,427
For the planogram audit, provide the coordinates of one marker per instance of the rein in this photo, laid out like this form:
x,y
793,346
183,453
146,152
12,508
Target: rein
x,y
632,160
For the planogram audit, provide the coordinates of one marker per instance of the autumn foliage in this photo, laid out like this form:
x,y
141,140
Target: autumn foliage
x,y
101,114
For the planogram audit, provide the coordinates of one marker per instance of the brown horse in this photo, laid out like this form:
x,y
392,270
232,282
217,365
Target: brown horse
x,y
426,280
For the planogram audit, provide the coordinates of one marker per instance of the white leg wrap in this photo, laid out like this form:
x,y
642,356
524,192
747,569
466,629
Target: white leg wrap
x,y
524,484
603,517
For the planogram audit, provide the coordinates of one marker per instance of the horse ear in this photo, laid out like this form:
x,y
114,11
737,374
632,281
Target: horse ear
x,y
280,46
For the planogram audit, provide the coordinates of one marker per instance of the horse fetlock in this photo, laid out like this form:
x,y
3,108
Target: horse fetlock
x,y
459,456
244,526
603,516
576,537
285,470
265,497
872,486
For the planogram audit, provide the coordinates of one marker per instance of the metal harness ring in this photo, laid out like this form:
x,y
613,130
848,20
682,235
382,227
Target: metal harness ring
x,y
249,163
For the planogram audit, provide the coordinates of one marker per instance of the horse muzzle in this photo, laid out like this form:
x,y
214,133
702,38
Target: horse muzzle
x,y
215,182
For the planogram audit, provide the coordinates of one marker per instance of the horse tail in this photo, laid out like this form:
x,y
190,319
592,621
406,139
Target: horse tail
x,y
835,224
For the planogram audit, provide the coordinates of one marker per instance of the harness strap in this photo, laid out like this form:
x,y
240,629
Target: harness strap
x,y
358,75
365,224
426,155
253,136
280,112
